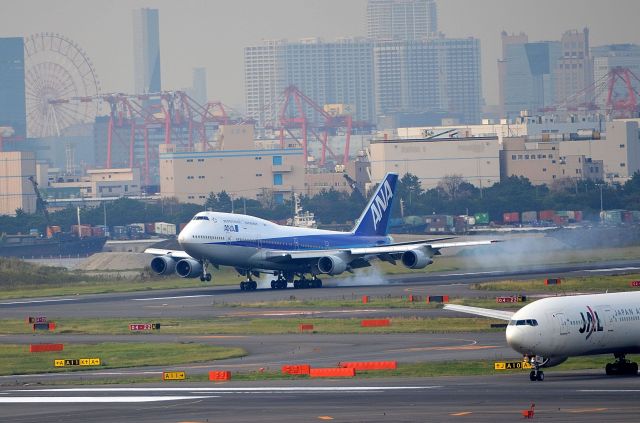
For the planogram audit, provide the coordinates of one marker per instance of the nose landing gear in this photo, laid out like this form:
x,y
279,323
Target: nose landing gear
x,y
536,374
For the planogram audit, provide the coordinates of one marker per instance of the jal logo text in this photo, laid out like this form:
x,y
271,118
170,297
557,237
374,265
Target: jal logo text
x,y
591,323
380,203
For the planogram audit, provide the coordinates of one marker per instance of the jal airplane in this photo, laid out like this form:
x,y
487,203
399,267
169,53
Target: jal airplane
x,y
254,246
550,330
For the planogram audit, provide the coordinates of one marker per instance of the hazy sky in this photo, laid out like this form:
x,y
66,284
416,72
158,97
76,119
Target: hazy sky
x,y
213,33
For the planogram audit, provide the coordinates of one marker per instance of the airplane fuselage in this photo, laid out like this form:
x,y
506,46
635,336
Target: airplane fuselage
x,y
244,241
577,325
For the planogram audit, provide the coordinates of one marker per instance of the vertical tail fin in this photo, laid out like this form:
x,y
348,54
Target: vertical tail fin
x,y
374,220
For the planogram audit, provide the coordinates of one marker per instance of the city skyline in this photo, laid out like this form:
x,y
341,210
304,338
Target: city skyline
x,y
197,34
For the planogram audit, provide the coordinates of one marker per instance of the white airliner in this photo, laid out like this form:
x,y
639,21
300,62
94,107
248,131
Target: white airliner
x,y
550,330
254,246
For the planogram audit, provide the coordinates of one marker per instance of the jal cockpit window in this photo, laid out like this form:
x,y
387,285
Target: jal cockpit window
x,y
201,218
527,322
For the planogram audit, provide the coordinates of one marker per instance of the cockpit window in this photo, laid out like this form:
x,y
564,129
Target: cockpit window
x,y
524,322
201,218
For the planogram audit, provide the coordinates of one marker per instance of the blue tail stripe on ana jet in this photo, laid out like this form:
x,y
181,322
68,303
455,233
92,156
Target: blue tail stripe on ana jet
x,y
374,220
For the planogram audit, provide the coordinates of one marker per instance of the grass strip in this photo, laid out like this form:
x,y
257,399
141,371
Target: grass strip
x,y
404,370
568,285
16,359
258,326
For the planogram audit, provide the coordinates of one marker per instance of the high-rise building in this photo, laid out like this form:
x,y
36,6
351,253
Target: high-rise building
x,y
401,20
608,57
525,74
12,91
199,85
438,74
146,51
574,69
339,72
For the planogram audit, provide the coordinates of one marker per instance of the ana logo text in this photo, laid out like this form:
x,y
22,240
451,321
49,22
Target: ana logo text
x,y
380,203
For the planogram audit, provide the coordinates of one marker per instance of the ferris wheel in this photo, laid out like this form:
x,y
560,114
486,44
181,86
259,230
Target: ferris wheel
x,y
56,71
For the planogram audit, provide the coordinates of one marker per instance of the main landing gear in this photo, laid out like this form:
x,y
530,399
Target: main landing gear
x,y
536,374
622,366
248,285
205,275
302,283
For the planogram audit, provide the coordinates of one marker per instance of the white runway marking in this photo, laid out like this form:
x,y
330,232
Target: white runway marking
x,y
241,389
172,298
108,400
493,272
608,390
611,269
40,301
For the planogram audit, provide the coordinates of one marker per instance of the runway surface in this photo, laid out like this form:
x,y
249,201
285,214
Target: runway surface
x,y
213,301
570,397
575,396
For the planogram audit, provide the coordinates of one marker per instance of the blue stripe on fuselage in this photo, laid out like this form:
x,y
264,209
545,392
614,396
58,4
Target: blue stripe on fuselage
x,y
310,242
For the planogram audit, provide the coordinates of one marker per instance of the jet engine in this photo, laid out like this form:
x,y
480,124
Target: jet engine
x,y
331,265
553,361
189,268
415,259
163,265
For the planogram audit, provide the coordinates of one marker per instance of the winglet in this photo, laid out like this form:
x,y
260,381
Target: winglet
x,y
374,220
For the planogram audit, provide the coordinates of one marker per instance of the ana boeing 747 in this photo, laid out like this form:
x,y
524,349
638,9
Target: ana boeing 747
x,y
550,330
254,246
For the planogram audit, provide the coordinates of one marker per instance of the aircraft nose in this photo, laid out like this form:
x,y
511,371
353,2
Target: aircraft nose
x,y
517,339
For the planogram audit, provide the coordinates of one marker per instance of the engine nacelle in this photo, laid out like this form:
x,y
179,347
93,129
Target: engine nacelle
x,y
189,268
163,265
331,265
554,361
415,259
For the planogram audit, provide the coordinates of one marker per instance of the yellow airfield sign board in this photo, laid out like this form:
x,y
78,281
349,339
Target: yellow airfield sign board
x,y
511,365
77,362
173,376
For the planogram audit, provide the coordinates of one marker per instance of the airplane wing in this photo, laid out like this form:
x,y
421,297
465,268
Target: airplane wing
x,y
383,250
485,312
177,254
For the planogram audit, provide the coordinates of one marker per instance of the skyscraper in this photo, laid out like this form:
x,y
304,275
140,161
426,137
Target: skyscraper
x,y
199,85
401,20
574,69
12,90
526,74
340,71
437,74
146,51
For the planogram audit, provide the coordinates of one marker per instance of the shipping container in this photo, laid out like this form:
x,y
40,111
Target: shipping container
x,y
412,220
578,215
140,226
529,217
511,217
84,231
546,215
627,217
481,218
164,228
560,220
150,228
612,217
636,215
97,231
471,221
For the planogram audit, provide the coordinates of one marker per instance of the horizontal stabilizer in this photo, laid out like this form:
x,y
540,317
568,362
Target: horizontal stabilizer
x,y
485,312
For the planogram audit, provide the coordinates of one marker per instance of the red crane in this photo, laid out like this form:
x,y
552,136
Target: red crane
x,y
294,102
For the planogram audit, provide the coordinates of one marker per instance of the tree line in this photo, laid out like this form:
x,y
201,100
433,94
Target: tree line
x,y
452,196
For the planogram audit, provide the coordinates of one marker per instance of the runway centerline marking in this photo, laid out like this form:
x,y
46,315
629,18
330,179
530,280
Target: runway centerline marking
x,y
172,298
116,399
608,390
585,410
240,389
611,269
56,300
462,413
